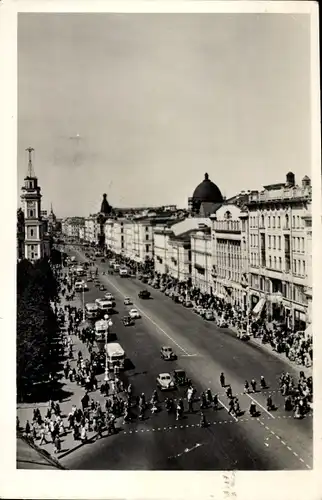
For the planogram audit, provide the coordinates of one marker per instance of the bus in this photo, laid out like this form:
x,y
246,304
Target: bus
x,y
91,310
123,272
104,306
115,355
101,329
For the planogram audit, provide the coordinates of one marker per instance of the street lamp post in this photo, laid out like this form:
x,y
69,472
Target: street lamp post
x,y
83,302
109,323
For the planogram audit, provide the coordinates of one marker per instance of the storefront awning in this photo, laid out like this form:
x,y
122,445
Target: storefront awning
x,y
259,307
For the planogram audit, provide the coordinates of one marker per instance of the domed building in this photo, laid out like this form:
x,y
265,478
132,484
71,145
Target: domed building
x,y
206,198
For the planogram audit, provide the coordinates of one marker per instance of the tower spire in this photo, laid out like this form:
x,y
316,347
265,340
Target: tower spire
x,y
30,167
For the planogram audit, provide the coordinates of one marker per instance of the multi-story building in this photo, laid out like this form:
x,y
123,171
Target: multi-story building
x,y
91,229
278,258
36,240
172,246
71,227
133,235
201,259
229,254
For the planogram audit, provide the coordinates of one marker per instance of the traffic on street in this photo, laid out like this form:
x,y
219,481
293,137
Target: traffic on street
x,y
198,397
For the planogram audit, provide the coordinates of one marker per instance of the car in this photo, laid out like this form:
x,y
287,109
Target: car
x,y
102,288
134,314
109,296
167,353
196,309
209,315
144,294
144,280
165,382
128,321
222,323
180,377
89,279
127,301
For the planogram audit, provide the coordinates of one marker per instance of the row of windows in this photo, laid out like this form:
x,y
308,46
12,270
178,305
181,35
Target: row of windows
x,y
276,263
228,274
275,221
275,242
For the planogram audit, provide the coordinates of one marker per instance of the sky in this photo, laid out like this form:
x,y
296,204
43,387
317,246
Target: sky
x,y
140,106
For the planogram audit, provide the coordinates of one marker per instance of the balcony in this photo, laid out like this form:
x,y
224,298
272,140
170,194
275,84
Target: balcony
x,y
228,226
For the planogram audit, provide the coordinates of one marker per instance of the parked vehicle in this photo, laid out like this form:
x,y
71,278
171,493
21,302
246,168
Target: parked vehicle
x,y
209,315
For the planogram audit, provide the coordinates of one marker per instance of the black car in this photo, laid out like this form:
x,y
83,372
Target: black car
x,y
180,377
127,321
144,294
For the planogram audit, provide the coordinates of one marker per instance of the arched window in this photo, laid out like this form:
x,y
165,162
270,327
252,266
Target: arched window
x,y
227,215
287,221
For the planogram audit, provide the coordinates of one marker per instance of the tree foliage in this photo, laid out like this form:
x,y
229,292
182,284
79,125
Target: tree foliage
x,y
36,324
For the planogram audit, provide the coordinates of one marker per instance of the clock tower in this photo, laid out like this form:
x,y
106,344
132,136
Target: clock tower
x,y
36,245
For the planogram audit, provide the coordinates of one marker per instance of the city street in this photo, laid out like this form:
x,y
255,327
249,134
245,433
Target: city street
x,y
273,441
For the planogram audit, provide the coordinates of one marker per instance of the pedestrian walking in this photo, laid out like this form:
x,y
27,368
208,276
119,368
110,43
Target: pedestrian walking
x,y
222,379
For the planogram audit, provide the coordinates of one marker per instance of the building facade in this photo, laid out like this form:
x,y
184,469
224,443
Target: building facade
x,y
279,219
229,254
201,259
36,240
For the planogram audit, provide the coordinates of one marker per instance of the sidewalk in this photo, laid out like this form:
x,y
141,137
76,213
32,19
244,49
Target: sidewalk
x,y
281,356
25,410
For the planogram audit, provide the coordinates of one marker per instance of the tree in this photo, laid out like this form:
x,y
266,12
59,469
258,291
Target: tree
x,y
36,325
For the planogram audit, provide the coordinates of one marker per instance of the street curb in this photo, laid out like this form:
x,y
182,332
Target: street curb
x,y
71,450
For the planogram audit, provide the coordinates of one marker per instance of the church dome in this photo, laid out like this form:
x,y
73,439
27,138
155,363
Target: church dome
x,y
207,192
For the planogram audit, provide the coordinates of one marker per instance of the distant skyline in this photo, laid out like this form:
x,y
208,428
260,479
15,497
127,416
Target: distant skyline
x,y
140,106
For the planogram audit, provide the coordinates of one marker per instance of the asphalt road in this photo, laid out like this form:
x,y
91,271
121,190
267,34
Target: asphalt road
x,y
273,441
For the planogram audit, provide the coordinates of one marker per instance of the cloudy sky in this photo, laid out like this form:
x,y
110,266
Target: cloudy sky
x,y
140,106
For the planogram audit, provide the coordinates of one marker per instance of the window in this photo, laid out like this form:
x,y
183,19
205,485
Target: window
x,y
294,265
147,237
278,221
147,248
269,221
31,232
262,221
275,262
32,247
298,221
299,267
31,213
280,263
273,221
146,228
269,241
32,255
302,249
279,242
274,242
304,270
293,219
270,262
286,221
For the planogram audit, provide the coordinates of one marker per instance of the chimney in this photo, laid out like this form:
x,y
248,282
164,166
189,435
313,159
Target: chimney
x,y
290,180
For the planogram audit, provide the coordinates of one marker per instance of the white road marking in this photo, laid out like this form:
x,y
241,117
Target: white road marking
x,y
263,408
152,321
222,404
289,448
283,442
